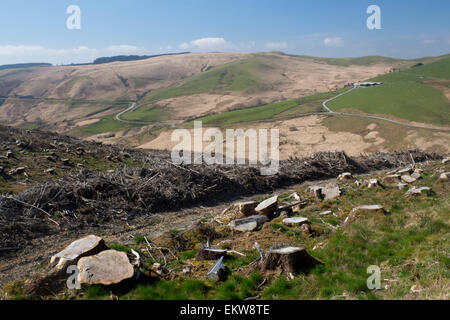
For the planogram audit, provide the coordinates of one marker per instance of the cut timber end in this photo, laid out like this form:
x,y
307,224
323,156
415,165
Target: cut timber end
x,y
218,271
295,221
248,224
268,207
376,208
107,267
83,247
291,260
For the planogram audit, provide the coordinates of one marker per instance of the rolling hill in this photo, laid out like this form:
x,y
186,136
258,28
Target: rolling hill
x,y
418,94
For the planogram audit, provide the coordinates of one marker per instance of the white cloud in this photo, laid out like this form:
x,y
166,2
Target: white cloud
x,y
333,42
124,49
81,54
27,50
276,45
184,46
209,43
206,44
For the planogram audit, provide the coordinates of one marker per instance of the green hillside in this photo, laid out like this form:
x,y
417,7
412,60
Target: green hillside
x,y
270,111
439,69
404,94
240,76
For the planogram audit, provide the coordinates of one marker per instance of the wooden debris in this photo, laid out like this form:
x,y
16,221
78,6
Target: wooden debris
x,y
345,177
405,171
415,191
373,183
218,271
445,176
50,171
408,179
205,253
19,170
376,208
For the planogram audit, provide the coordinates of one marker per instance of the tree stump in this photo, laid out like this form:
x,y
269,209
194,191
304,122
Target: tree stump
x,y
108,267
268,207
247,209
83,247
291,260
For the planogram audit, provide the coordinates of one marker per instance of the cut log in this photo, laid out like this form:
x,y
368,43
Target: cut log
x,y
19,170
209,253
247,209
268,207
406,171
83,247
326,213
445,176
346,177
375,208
414,191
295,221
108,267
291,260
218,271
248,224
445,160
373,183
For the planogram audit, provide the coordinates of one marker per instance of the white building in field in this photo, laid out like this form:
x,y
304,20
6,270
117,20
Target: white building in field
x,y
366,84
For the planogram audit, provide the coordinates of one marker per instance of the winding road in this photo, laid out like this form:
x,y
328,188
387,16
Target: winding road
x,y
134,106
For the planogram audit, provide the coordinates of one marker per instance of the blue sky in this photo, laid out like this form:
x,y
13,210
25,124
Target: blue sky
x,y
32,31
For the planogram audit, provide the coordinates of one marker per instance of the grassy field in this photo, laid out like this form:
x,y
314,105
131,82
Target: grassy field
x,y
273,111
362,61
106,124
439,69
404,95
147,113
